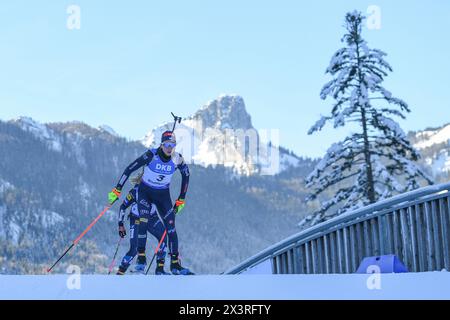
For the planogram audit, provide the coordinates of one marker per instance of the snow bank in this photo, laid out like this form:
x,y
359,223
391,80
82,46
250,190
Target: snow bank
x,y
428,285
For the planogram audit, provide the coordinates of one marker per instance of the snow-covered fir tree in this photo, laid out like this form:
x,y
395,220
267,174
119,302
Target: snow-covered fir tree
x,y
377,161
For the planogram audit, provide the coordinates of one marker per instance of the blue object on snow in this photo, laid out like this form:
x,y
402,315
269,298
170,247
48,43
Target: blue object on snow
x,y
139,267
382,264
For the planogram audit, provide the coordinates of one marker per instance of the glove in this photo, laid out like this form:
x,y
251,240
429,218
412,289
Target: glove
x,y
179,205
122,230
114,195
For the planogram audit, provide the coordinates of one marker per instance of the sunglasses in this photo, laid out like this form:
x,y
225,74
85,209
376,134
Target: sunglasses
x,y
169,145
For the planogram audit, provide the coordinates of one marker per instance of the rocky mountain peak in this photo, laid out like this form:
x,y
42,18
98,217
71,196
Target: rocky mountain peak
x,y
225,112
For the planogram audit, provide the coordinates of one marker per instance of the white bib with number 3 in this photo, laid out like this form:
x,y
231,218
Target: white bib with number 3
x,y
158,174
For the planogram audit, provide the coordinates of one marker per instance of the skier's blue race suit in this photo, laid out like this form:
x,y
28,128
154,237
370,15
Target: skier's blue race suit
x,y
154,189
154,226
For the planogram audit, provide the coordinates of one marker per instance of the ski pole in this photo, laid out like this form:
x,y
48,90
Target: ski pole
x,y
111,266
75,242
156,251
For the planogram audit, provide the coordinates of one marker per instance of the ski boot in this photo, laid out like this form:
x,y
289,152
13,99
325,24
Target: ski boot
x,y
176,268
141,263
124,265
159,271
121,271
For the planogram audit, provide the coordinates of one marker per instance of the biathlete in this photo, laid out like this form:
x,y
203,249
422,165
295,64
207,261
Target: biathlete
x,y
155,227
159,166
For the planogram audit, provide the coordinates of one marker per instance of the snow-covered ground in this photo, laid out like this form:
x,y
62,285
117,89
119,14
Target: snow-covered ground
x,y
428,285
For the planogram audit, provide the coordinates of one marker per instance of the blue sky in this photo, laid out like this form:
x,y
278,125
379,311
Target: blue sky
x,y
131,63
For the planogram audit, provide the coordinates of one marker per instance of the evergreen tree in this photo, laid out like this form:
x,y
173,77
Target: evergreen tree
x,y
376,162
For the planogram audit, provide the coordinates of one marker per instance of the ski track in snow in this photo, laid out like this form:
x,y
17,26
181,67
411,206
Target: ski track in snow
x,y
427,285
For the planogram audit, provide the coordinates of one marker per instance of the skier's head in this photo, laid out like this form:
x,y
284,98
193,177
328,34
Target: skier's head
x,y
168,142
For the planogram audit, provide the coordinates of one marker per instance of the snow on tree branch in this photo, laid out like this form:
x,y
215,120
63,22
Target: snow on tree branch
x,y
378,161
